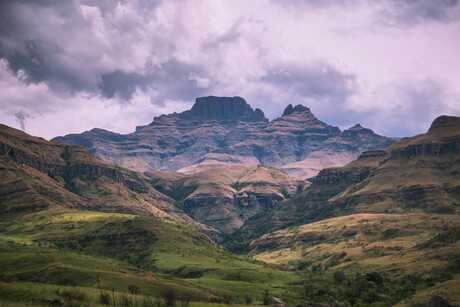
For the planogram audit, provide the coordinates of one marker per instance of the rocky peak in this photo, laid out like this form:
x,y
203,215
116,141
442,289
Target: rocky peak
x,y
297,109
358,129
224,108
445,121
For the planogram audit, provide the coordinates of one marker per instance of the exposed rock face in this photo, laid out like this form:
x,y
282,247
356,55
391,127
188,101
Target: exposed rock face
x,y
418,174
85,171
300,144
37,175
175,141
224,108
221,131
225,197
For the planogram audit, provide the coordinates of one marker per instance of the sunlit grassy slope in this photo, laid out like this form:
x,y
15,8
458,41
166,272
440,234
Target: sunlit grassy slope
x,y
396,245
68,248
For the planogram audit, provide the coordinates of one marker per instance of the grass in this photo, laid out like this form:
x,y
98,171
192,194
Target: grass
x,y
399,246
74,248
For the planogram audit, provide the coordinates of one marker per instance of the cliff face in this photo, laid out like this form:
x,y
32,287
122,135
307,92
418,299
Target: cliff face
x,y
224,108
225,197
39,175
175,141
223,131
300,144
418,174
82,170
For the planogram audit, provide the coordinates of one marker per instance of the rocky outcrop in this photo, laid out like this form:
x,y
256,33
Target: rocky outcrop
x,y
81,170
443,146
418,174
177,140
227,131
300,144
444,122
224,108
226,197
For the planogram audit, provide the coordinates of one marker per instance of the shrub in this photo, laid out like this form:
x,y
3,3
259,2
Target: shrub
x,y
339,277
133,289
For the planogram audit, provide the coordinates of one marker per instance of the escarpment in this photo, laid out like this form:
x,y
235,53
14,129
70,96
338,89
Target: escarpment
x,y
82,170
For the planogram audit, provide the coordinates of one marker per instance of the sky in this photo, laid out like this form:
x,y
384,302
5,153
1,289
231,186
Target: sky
x,y
70,66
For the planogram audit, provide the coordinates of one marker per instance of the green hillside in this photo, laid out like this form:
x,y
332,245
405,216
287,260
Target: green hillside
x,y
68,248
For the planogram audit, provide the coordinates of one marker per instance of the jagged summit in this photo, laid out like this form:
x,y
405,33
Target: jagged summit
x,y
358,129
224,108
228,131
355,127
298,108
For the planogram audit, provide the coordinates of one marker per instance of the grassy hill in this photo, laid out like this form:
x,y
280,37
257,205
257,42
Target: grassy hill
x,y
75,248
417,253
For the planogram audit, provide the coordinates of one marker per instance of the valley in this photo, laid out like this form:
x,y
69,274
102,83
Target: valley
x,y
379,228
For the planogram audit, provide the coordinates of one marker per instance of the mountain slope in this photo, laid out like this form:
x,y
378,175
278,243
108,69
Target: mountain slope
x,y
175,141
222,131
418,174
38,175
300,144
225,197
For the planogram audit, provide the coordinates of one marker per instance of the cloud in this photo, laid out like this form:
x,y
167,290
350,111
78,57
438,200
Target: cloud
x,y
414,12
21,117
348,60
316,81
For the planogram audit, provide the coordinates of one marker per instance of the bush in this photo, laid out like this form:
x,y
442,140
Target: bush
x,y
339,277
266,298
133,289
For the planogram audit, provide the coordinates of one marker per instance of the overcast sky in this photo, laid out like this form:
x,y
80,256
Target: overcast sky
x,y
69,66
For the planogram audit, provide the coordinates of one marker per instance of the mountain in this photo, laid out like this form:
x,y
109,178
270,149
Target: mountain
x,y
300,144
225,197
37,176
175,141
386,226
420,174
222,131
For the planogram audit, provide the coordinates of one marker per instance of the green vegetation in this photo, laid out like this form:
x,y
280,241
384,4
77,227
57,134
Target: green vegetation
x,y
390,257
135,255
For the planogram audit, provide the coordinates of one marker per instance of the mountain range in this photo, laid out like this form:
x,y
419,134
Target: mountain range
x,y
381,229
222,131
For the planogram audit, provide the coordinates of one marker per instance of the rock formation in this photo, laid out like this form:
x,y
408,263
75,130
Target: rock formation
x,y
227,131
418,174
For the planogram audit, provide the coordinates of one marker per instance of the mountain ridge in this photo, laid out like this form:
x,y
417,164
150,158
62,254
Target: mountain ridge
x,y
227,131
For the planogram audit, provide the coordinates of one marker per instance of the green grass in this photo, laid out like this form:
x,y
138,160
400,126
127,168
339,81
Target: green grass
x,y
69,248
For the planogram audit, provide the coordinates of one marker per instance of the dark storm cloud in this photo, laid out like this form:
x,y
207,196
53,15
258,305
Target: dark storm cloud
x,y
122,84
21,118
31,36
413,12
171,80
319,80
56,43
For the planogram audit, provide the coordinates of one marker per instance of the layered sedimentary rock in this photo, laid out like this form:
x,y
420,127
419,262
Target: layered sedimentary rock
x,y
420,174
225,197
175,141
300,144
222,131
37,175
